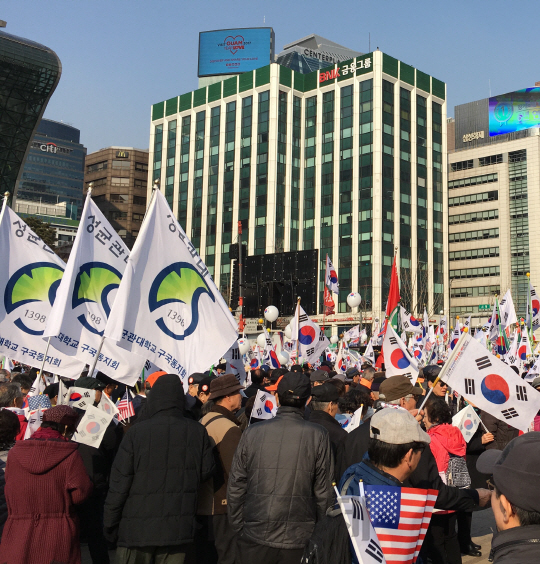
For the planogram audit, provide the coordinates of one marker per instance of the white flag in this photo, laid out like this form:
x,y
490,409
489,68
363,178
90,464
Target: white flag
x,y
507,309
167,307
369,353
490,384
63,391
481,337
29,278
356,420
81,398
534,371
363,536
397,360
408,322
455,335
92,427
265,406
312,341
512,358
524,350
109,408
85,296
34,422
38,387
331,277
235,363
466,421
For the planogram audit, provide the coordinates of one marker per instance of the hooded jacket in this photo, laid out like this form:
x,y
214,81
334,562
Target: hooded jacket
x,y
156,474
446,440
45,478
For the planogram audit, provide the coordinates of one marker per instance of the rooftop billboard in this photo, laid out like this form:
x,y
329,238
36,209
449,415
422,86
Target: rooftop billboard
x,y
514,111
233,51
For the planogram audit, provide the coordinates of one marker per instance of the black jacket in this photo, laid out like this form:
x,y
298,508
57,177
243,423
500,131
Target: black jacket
x,y
253,389
520,545
336,432
152,496
502,432
474,449
280,483
426,475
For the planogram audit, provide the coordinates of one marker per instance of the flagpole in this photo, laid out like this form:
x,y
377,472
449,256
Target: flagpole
x,y
44,358
4,205
297,326
91,371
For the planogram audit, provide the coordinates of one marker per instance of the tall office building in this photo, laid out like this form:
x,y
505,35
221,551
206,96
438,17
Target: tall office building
x,y
350,160
53,171
119,175
494,195
29,74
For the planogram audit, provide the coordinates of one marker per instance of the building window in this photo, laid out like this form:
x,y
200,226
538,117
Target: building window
x,y
141,167
115,215
475,291
139,200
473,181
121,164
97,166
473,198
473,235
137,216
120,198
473,217
517,156
118,181
491,160
482,272
462,165
138,183
474,253
98,183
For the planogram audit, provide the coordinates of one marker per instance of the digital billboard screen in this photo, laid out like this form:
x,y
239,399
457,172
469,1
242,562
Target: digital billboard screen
x,y
514,111
232,51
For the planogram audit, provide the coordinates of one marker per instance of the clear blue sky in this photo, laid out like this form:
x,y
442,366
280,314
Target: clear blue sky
x,y
121,57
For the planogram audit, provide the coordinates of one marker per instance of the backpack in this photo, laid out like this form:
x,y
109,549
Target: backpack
x,y
457,473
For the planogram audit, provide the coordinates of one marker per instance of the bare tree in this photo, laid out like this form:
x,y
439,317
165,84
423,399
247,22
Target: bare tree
x,y
414,290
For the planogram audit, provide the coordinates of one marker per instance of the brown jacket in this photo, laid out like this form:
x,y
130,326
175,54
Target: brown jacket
x,y
224,432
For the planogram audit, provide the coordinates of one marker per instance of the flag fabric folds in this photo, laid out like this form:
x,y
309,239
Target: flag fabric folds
x,y
397,359
331,277
85,295
125,407
408,322
400,517
29,279
167,307
311,340
490,384
466,421
265,406
92,427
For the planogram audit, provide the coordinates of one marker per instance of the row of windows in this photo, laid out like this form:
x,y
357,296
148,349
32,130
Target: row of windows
x,y
121,164
124,199
116,215
473,198
474,253
480,272
475,291
473,217
462,165
473,235
469,310
491,160
473,180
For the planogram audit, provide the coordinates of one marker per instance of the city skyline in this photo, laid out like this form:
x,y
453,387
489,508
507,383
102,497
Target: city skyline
x,y
111,77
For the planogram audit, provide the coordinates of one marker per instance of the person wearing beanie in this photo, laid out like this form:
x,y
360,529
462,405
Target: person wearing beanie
x,y
224,431
152,500
280,484
45,479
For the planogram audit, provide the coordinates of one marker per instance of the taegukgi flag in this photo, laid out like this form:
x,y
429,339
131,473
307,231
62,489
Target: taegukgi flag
x,y
311,340
397,360
167,308
466,421
29,279
489,383
86,293
409,322
92,427
331,277
265,406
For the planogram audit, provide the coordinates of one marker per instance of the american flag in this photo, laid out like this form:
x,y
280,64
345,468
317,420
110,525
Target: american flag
x,y
125,407
38,402
400,517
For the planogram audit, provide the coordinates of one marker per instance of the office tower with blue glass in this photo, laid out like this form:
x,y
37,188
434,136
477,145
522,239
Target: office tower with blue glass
x,y
349,159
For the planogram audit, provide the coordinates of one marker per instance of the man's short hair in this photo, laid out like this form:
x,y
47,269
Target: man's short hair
x,y
8,393
389,455
319,405
369,373
257,376
5,375
24,380
10,426
525,518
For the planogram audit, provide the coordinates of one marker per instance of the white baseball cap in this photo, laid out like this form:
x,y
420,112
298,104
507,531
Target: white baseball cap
x,y
396,427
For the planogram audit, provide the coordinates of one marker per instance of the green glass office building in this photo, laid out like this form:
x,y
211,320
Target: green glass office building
x,y
350,160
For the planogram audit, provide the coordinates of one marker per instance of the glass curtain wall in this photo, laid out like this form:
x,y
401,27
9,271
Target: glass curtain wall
x,y
158,151
262,172
438,260
281,173
295,172
169,165
245,163
184,171
211,203
310,152
196,209
421,203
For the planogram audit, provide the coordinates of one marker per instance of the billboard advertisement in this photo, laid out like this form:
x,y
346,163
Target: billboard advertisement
x,y
514,111
232,51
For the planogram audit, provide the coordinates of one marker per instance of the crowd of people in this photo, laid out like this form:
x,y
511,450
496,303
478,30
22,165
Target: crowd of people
x,y
200,477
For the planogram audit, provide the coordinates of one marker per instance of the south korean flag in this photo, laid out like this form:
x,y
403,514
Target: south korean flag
x,y
408,322
397,359
490,384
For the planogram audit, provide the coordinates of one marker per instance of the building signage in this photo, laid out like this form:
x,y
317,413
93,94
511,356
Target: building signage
x,y
514,111
484,307
344,70
468,137
122,154
51,148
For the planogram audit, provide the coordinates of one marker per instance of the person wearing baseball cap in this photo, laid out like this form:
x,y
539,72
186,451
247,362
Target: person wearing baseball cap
x,y
224,431
318,377
193,382
280,483
515,499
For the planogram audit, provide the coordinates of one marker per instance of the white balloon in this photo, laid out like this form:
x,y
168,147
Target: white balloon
x,y
243,345
334,339
288,331
283,357
271,313
354,299
261,340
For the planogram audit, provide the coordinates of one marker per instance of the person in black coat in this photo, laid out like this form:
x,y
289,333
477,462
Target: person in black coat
x,y
324,406
152,500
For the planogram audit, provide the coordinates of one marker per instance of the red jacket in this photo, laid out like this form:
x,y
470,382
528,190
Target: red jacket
x,y
44,479
445,440
24,424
